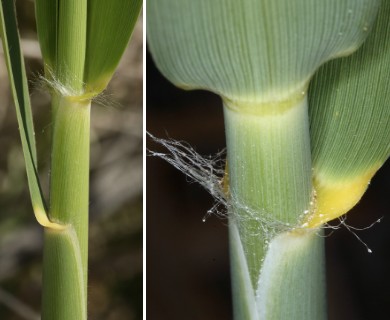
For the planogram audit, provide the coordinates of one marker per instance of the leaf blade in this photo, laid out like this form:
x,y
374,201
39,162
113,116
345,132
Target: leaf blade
x,y
110,25
18,81
350,121
46,12
253,50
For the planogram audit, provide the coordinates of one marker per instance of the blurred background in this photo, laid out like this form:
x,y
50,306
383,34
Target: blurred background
x,y
187,259
115,255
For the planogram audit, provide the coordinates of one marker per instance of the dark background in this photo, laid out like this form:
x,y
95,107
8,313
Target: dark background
x,y
115,254
187,260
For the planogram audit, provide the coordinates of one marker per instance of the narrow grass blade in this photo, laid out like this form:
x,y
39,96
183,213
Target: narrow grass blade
x,y
350,122
17,74
110,25
18,81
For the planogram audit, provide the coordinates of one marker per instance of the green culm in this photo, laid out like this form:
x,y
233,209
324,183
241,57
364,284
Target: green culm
x,y
301,144
82,42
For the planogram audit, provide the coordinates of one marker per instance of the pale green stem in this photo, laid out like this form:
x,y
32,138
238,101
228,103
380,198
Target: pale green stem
x,y
269,167
244,298
269,162
292,280
66,251
55,102
291,285
71,46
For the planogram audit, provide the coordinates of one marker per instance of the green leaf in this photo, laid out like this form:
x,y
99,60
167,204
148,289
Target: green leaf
x,y
82,41
18,81
110,25
17,74
47,29
253,50
259,55
350,121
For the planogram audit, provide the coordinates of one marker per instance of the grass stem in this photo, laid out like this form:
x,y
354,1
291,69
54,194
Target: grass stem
x,y
66,251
